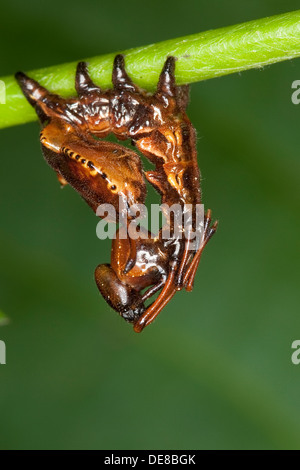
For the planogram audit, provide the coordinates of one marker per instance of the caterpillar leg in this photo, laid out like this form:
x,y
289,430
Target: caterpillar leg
x,y
208,232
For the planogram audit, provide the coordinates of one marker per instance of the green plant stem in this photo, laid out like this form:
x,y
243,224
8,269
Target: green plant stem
x,y
200,57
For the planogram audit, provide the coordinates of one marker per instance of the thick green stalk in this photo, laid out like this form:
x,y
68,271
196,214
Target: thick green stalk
x,y
200,56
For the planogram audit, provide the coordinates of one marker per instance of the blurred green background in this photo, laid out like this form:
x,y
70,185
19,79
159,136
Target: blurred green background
x,y
214,371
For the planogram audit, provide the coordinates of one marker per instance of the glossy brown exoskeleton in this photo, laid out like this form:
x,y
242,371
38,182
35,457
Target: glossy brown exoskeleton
x,y
103,172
